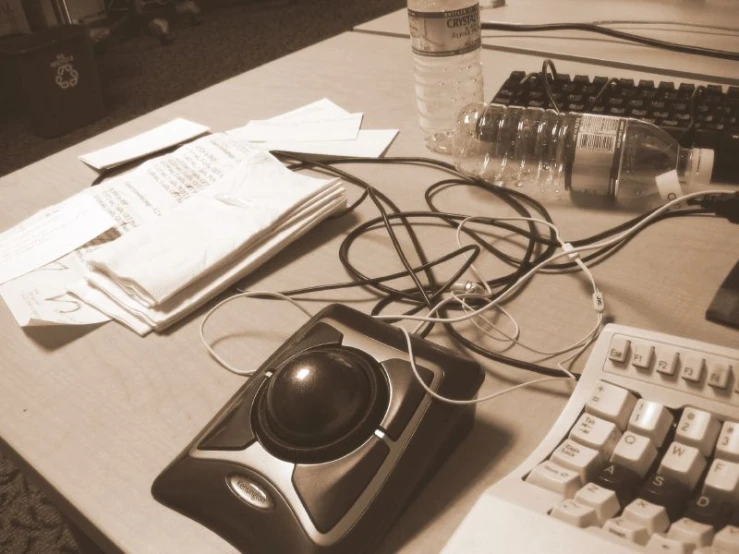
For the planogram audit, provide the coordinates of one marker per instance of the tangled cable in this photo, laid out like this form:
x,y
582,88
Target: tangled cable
x,y
453,300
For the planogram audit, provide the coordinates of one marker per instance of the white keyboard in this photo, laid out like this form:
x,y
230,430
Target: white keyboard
x,y
644,458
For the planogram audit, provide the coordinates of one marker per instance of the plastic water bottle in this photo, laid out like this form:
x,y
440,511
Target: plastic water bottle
x,y
446,43
553,155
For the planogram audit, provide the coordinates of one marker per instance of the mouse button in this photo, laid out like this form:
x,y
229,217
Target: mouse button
x,y
234,430
320,334
405,395
328,490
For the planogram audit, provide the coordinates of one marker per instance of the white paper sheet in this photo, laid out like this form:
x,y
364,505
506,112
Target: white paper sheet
x,y
320,108
321,128
170,134
370,143
50,234
307,121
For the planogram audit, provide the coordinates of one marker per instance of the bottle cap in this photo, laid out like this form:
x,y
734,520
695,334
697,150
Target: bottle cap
x,y
701,167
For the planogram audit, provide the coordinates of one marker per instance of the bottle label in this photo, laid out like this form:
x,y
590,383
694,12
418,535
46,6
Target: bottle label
x,y
597,154
447,33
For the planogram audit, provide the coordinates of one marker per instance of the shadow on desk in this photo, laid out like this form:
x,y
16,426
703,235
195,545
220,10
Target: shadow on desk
x,y
53,337
474,456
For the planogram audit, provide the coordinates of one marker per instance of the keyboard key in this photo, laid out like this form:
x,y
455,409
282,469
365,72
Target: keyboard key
x,y
727,540
719,372
666,545
621,480
722,480
727,446
612,403
698,428
597,433
668,492
683,463
574,513
692,370
635,452
691,532
710,510
571,455
642,358
652,516
652,420
555,478
626,529
619,350
602,500
666,363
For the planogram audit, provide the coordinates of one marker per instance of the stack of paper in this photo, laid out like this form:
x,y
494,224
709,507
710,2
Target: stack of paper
x,y
36,290
158,272
52,274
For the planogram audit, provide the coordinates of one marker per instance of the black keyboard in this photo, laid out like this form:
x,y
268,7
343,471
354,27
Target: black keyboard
x,y
699,116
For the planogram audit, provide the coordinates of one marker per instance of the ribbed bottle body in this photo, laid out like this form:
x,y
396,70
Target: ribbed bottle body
x,y
555,155
446,44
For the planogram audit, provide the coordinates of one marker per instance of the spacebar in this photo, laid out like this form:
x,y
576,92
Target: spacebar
x,y
494,525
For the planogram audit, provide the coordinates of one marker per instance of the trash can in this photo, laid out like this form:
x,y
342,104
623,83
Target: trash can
x,y
57,78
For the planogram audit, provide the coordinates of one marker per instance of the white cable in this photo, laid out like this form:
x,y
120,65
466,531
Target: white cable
x,y
474,313
434,394
614,240
515,340
245,294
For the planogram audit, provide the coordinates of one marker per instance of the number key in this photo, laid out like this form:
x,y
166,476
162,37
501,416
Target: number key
x,y
727,446
698,428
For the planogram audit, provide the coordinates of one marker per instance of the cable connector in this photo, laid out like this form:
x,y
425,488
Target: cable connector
x,y
726,206
567,247
468,287
598,302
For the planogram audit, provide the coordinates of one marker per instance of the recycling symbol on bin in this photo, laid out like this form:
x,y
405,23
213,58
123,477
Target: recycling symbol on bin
x,y
66,76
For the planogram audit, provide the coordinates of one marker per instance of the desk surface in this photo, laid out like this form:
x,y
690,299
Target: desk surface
x,y
614,54
98,413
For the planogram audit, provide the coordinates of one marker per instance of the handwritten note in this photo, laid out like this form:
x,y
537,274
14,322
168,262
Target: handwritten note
x,y
40,298
50,234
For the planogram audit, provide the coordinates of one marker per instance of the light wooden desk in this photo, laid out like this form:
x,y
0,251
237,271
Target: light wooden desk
x,y
96,414
615,55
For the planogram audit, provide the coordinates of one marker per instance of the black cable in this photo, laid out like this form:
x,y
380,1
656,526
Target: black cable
x,y
549,64
675,47
540,245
